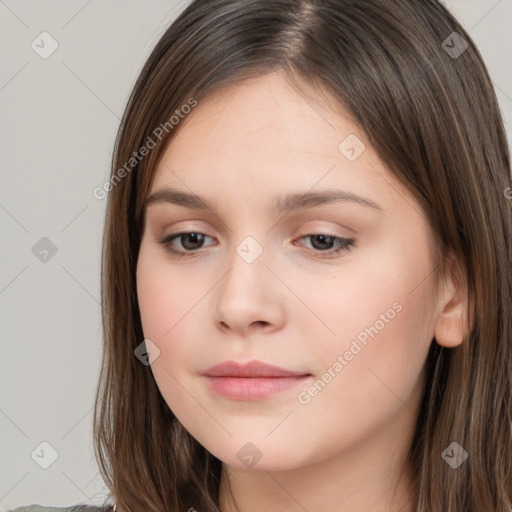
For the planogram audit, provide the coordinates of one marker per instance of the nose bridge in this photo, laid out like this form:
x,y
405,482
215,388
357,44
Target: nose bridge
x,y
249,241
250,249
246,294
248,265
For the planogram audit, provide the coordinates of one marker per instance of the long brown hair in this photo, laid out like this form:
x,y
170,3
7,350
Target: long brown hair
x,y
423,97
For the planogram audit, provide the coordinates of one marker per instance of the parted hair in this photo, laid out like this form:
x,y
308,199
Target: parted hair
x,y
432,116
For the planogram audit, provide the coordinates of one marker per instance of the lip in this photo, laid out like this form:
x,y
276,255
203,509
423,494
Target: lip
x,y
251,381
250,369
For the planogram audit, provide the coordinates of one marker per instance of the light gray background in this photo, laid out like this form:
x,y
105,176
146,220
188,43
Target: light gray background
x,y
59,119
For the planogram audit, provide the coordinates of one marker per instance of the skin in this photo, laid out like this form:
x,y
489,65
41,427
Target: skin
x,y
345,449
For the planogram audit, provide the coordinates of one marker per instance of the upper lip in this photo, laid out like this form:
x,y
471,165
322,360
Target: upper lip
x,y
250,369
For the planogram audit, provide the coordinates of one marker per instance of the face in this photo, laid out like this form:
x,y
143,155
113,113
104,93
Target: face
x,y
336,292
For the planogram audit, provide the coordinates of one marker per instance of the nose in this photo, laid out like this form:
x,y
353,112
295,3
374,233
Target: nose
x,y
249,297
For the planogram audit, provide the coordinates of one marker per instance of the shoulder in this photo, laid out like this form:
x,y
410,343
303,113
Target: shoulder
x,y
74,508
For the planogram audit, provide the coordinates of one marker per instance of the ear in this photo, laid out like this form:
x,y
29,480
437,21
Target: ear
x,y
452,324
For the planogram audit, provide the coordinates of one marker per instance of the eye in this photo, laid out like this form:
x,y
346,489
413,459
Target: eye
x,y
322,244
190,240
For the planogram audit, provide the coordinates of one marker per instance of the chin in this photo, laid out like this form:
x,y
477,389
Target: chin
x,y
260,455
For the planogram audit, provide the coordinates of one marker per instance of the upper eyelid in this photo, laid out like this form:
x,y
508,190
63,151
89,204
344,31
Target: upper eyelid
x,y
313,230
156,220
310,232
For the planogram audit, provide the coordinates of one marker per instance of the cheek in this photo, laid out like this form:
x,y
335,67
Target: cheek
x,y
370,372
166,296
381,325
172,316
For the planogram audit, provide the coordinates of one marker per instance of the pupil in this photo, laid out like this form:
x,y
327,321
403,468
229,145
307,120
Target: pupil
x,y
325,239
195,237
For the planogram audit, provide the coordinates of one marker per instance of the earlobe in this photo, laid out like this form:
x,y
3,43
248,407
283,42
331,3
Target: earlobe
x,y
452,325
450,328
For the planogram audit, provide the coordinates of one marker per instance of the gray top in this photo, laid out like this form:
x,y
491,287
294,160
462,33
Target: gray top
x,y
74,508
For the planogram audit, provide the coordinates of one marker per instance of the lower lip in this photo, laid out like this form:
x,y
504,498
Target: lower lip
x,y
256,388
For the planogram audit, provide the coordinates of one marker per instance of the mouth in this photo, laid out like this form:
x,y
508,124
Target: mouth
x,y
252,381
257,388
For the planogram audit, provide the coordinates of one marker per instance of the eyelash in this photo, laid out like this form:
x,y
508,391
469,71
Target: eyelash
x,y
345,244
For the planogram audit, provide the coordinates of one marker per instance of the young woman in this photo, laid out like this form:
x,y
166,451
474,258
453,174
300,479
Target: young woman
x,y
307,289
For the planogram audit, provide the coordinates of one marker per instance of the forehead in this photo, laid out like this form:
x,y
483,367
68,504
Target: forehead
x,y
256,110
264,135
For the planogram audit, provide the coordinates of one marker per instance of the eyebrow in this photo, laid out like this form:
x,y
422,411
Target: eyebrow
x,y
287,203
